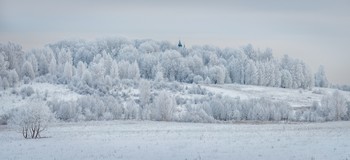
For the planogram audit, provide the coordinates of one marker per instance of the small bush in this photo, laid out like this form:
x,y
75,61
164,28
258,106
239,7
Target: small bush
x,y
27,91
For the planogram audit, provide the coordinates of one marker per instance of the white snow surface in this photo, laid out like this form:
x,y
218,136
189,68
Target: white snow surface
x,y
295,97
171,140
8,100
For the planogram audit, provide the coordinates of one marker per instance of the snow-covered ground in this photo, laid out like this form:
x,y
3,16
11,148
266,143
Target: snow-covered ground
x,y
171,140
295,97
10,99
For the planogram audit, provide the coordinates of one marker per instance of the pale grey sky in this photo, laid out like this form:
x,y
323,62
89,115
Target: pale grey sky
x,y
318,32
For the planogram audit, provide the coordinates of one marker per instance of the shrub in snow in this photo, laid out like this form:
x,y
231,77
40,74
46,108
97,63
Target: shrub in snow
x,y
13,78
66,111
145,112
108,116
318,91
31,119
196,113
196,89
334,107
14,91
132,110
5,83
159,77
27,91
26,80
197,79
4,117
218,110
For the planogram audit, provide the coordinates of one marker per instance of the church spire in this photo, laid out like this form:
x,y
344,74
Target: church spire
x,y
179,45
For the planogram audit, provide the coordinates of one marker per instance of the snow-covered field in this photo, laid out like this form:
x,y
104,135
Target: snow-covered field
x,y
171,140
295,97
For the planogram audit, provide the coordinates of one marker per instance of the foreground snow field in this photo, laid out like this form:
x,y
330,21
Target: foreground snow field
x,y
171,140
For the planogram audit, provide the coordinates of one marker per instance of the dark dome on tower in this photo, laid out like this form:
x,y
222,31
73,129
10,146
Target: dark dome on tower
x,y
179,45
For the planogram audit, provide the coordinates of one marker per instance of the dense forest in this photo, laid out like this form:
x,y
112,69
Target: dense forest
x,y
142,79
109,59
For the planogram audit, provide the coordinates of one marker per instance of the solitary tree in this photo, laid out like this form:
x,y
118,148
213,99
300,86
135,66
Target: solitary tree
x,y
31,119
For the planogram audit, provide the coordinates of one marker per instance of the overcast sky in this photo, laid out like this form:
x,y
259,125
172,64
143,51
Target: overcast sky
x,y
316,31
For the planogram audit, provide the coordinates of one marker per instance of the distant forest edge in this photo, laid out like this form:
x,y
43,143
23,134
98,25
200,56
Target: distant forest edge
x,y
118,78
119,58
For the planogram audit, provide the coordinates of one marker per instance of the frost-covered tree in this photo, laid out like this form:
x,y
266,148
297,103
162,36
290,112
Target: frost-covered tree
x,y
145,92
217,74
53,66
159,76
128,53
333,107
5,83
34,63
172,64
13,78
340,105
31,119
108,82
65,111
132,110
81,67
251,75
149,46
148,66
134,71
68,72
1,84
321,78
13,56
3,66
43,65
87,78
164,107
286,79
123,69
114,73
27,70
250,52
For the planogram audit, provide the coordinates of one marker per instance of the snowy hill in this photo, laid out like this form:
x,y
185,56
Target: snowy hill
x,y
114,93
116,78
188,97
295,97
16,97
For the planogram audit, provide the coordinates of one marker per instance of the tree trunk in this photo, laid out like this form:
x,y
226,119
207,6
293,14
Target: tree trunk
x,y
25,132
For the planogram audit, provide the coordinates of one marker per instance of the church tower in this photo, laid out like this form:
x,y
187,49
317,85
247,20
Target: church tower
x,y
179,45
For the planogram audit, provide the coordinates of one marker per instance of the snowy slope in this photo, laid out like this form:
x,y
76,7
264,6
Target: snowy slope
x,y
10,99
295,97
170,140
